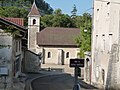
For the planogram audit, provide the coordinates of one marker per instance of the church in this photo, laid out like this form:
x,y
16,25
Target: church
x,y
56,45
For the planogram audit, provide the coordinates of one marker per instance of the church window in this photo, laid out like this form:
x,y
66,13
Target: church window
x,y
49,54
34,21
67,55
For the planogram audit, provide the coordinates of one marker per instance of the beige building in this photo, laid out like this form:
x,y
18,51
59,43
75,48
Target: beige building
x,y
105,43
57,44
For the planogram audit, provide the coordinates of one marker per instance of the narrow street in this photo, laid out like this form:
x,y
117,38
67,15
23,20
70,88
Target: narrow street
x,y
58,82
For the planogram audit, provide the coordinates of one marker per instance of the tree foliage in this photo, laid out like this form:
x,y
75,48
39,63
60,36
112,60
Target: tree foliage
x,y
57,19
12,11
84,40
74,11
26,4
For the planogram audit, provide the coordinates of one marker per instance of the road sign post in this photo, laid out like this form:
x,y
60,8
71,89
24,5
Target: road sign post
x,y
76,63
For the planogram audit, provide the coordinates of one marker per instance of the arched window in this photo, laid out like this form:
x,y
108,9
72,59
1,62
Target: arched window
x,y
67,55
34,21
49,54
87,62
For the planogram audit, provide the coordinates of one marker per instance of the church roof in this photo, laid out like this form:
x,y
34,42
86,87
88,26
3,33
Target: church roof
x,y
56,36
34,10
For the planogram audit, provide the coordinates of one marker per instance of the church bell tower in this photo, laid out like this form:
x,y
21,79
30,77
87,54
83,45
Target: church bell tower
x,y
33,27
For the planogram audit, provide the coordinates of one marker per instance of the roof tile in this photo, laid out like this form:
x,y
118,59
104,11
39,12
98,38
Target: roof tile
x,y
19,21
58,36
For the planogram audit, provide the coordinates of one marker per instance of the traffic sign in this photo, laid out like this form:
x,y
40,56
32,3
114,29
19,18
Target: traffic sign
x,y
76,62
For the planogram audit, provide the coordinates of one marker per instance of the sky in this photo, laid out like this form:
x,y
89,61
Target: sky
x,y
67,5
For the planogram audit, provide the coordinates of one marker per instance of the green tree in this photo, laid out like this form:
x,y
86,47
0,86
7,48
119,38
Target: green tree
x,y
74,11
26,4
84,40
1,2
56,20
61,20
44,7
46,21
12,11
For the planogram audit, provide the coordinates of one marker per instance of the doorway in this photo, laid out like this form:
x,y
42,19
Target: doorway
x,y
60,57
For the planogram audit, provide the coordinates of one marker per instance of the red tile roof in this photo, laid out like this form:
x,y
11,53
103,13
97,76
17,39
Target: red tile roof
x,y
19,21
34,11
52,36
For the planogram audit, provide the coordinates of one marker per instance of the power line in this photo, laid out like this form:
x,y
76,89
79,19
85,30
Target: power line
x,y
86,10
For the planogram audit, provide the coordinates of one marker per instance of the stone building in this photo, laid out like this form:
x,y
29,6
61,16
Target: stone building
x,y
12,35
57,45
105,44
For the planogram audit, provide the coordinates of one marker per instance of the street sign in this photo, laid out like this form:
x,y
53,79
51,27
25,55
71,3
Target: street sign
x,y
76,62
3,71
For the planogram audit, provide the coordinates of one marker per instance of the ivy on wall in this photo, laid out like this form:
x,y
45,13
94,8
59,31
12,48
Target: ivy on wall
x,y
10,29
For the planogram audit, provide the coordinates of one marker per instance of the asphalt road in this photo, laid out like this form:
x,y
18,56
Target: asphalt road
x,y
58,82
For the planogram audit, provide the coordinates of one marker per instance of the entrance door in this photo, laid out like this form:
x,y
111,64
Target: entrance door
x,y
60,57
43,56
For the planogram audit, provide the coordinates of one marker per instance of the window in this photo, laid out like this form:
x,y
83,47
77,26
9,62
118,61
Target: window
x,y
34,21
19,46
16,46
49,54
97,14
67,55
103,41
110,42
108,9
17,64
108,3
96,41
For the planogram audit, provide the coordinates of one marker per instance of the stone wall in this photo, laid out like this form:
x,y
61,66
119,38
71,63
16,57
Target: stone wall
x,y
113,75
32,62
6,60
